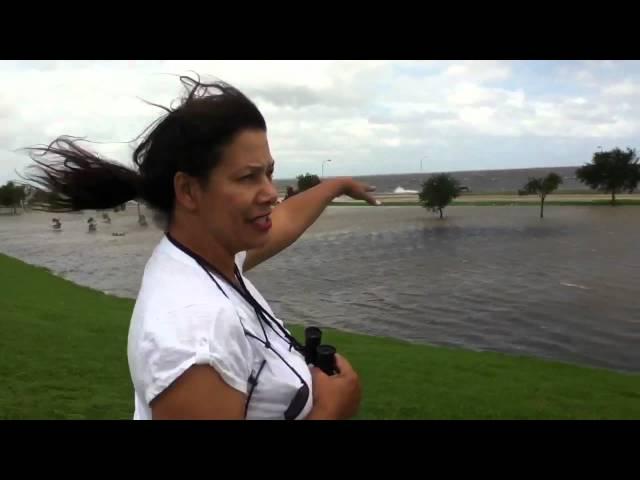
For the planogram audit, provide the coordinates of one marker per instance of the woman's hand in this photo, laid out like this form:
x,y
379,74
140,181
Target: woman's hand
x,y
358,190
335,397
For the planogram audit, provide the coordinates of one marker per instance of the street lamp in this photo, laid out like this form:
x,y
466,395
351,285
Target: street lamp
x,y
323,162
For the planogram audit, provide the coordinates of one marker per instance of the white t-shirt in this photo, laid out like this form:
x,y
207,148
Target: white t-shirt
x,y
181,318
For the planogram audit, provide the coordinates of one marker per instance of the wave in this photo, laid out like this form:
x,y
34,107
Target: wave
x,y
402,190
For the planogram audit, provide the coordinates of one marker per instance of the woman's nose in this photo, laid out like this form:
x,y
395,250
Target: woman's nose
x,y
269,193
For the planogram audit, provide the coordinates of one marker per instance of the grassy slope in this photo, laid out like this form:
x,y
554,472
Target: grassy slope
x,y
63,355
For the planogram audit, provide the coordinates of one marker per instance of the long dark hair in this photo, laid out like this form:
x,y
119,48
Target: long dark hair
x,y
189,138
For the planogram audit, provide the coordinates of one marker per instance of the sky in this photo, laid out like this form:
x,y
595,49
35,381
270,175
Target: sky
x,y
367,117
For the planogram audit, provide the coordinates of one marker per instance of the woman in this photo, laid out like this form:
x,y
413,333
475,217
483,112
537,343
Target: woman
x,y
203,343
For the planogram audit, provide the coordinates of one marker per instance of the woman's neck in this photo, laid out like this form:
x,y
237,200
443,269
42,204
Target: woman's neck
x,y
214,253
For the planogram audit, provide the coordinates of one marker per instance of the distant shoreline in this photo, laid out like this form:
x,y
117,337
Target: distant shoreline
x,y
495,181
481,199
456,172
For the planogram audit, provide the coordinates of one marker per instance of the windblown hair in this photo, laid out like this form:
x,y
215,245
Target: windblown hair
x,y
81,180
189,138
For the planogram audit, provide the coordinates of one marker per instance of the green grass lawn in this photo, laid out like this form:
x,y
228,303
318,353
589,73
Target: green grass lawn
x,y
63,356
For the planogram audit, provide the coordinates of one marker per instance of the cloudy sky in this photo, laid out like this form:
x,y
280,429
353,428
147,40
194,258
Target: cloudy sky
x,y
368,117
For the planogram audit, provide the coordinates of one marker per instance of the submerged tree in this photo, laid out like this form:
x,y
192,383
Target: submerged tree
x,y
438,192
543,187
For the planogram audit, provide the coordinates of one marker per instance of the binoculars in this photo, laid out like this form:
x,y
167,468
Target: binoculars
x,y
321,356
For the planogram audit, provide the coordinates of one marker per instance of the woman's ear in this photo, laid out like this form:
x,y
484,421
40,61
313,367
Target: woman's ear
x,y
186,190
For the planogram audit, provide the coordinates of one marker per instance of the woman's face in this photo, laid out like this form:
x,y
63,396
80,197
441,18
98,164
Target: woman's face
x,y
240,193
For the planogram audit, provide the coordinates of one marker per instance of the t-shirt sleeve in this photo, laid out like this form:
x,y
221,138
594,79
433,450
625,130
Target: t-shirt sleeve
x,y
195,335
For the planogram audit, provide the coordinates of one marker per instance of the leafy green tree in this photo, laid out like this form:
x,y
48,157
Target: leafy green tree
x,y
611,172
438,192
12,195
307,181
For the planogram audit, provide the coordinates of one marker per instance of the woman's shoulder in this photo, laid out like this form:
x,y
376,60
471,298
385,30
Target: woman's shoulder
x,y
186,325
178,298
176,293
181,318
171,277
163,343
168,264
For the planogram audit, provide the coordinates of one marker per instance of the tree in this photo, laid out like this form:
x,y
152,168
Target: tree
x,y
542,187
307,181
611,172
6,195
438,191
12,195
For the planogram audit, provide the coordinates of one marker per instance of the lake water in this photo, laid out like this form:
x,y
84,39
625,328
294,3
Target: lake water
x,y
485,278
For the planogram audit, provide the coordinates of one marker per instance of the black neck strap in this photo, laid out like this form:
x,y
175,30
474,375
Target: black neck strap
x,y
261,313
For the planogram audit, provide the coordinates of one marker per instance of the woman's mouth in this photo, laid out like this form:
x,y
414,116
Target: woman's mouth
x,y
262,223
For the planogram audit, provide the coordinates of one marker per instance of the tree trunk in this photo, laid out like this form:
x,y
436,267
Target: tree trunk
x,y
613,197
542,208
440,212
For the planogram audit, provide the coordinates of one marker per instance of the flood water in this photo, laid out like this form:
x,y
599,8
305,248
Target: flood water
x,y
565,287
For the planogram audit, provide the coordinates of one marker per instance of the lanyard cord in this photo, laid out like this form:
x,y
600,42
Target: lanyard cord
x,y
261,313
267,345
293,342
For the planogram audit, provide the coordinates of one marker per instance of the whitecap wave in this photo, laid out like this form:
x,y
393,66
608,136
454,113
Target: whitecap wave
x,y
402,190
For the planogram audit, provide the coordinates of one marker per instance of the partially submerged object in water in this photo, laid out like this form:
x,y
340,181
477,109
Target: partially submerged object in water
x,y
56,225
118,234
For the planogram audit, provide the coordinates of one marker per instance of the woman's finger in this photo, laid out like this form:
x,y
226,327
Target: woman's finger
x,y
370,199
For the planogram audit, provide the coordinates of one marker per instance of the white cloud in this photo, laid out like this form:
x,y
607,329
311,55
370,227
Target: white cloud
x,y
479,71
368,115
624,88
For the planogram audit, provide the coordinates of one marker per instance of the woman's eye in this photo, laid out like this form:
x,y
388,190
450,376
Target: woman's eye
x,y
255,176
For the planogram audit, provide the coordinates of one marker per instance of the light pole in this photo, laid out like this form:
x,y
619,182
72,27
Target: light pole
x,y
323,162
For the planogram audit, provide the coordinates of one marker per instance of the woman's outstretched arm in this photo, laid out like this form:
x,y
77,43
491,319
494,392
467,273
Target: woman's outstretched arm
x,y
292,217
